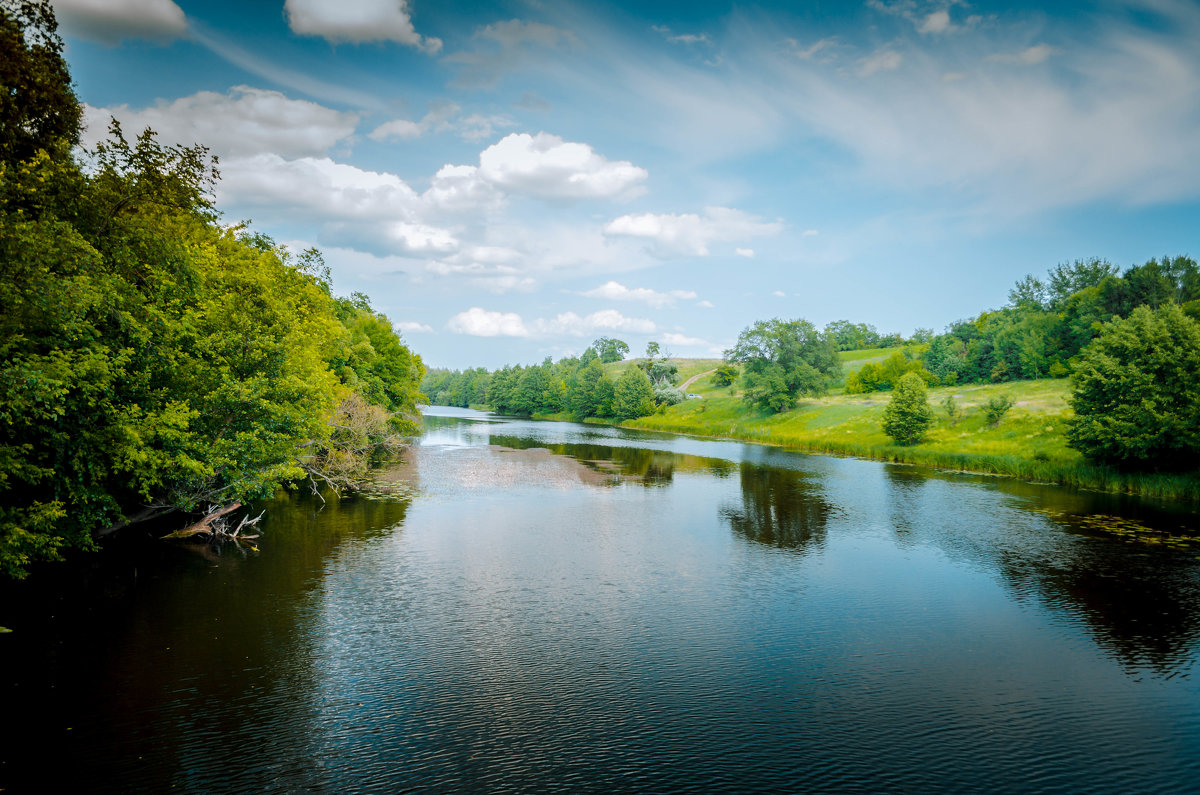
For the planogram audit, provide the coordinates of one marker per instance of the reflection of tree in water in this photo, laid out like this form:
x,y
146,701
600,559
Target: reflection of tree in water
x,y
651,467
1141,606
780,507
1140,602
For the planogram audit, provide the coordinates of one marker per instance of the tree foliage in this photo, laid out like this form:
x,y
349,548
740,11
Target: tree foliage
x,y
610,350
782,360
908,414
633,394
1136,391
151,359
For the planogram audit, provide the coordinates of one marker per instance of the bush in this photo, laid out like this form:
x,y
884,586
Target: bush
x,y
908,415
667,395
725,375
950,406
996,408
1137,391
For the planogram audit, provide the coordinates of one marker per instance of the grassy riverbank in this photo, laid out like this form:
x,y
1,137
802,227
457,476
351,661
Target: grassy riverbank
x,y
1029,442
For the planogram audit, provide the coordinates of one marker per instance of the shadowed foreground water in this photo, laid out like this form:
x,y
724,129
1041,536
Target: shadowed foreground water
x,y
570,608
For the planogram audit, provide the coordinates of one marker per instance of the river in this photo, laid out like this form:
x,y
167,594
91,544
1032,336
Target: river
x,y
573,608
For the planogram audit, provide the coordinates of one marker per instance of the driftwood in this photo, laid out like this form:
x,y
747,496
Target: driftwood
x,y
214,526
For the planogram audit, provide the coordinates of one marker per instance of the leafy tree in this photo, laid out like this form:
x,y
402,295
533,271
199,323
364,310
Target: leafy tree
x,y
610,350
783,360
633,395
908,415
725,375
1136,391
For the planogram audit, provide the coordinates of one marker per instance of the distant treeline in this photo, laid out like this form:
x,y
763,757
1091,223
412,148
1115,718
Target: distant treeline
x,y
577,385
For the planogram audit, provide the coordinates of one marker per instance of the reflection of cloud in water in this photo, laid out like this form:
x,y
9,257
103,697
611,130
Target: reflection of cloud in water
x,y
780,507
493,467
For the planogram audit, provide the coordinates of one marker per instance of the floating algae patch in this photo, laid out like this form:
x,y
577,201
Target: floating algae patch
x,y
1130,531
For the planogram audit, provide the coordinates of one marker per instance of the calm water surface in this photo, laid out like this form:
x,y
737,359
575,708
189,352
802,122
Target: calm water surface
x,y
561,607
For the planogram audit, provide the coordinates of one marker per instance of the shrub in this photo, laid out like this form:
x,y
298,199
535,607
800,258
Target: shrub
x,y
950,406
667,395
996,408
725,375
908,415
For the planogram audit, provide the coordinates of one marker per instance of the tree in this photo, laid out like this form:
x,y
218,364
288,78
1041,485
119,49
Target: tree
x,y
908,414
725,375
1136,391
783,360
633,395
610,350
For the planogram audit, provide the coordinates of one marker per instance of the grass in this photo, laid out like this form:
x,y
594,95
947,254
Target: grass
x,y
1029,442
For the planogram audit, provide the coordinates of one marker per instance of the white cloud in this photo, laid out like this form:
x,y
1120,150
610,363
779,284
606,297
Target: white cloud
x,y
705,304
936,22
546,166
779,293
477,322
1027,57
398,128
604,320
748,253
478,126
615,291
882,61
682,38
813,50
461,188
412,327
358,21
241,121
689,234
317,187
672,338
110,21
809,233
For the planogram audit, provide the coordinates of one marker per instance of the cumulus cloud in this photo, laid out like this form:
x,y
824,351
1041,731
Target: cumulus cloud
x,y
478,322
705,304
442,118
615,291
240,121
504,46
748,253
809,233
412,327
358,21
111,21
689,234
548,167
317,187
461,188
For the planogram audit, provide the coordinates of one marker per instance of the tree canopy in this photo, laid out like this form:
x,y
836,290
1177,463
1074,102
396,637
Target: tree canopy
x,y
152,359
783,360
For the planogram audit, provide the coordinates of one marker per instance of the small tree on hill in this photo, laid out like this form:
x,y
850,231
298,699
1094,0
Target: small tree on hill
x,y
908,414
725,375
1137,391
634,395
610,350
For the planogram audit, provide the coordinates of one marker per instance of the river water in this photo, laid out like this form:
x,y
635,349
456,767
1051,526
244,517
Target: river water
x,y
573,608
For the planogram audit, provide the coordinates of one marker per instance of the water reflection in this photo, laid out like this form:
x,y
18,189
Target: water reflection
x,y
780,507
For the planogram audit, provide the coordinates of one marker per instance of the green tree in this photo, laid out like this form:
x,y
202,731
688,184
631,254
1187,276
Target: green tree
x,y
1136,391
908,415
783,360
633,395
610,350
725,375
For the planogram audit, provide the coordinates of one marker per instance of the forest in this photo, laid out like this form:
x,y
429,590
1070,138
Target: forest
x,y
154,358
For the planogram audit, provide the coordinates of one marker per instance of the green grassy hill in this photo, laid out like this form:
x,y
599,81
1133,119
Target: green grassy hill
x,y
1029,442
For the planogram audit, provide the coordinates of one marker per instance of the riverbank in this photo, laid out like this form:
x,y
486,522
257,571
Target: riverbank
x,y
1029,442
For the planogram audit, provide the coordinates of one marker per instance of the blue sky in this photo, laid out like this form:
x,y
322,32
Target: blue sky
x,y
509,181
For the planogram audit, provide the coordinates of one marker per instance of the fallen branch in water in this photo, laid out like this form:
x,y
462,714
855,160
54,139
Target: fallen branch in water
x,y
214,526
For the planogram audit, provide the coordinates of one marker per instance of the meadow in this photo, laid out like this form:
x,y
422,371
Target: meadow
x,y
1028,442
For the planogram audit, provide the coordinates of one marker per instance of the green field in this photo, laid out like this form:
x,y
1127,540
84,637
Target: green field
x,y
1029,442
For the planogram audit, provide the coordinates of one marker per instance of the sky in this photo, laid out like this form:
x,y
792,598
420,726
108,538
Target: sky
x,y
509,181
